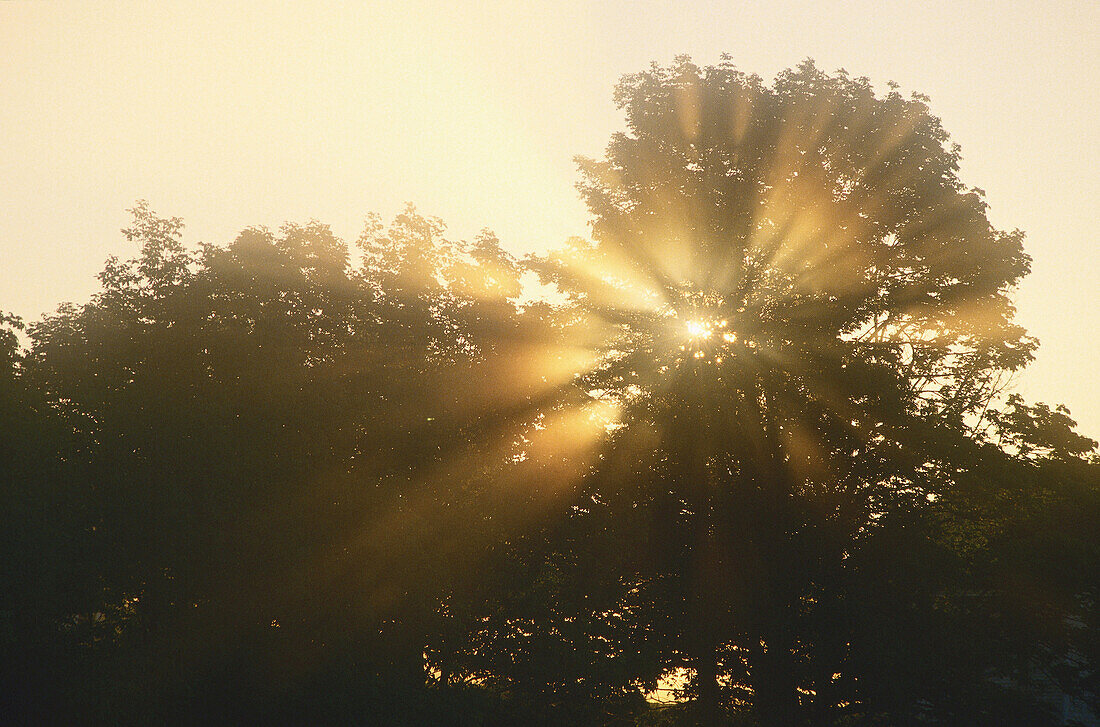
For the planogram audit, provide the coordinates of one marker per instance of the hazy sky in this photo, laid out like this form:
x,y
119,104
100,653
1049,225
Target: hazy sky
x,y
238,114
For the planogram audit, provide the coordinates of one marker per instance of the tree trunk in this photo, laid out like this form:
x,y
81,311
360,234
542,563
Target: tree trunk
x,y
775,688
709,698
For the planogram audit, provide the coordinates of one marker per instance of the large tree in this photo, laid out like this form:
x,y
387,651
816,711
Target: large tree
x,y
755,450
807,326
261,453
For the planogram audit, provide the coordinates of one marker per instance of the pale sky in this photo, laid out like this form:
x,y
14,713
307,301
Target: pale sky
x,y
238,114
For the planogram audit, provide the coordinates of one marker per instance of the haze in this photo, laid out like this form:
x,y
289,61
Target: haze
x,y
236,115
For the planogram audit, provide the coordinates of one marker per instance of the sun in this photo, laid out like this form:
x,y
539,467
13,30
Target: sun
x,y
699,329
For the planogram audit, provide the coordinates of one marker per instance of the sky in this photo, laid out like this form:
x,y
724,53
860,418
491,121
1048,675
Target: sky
x,y
232,115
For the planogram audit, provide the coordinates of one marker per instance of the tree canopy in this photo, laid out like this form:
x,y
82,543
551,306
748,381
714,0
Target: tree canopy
x,y
753,458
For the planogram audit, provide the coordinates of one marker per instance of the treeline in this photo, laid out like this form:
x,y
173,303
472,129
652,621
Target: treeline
x,y
751,460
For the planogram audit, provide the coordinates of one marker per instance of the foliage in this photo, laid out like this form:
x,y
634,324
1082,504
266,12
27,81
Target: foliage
x,y
756,451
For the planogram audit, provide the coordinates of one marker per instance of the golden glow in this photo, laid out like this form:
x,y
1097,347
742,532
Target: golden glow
x,y
239,116
699,329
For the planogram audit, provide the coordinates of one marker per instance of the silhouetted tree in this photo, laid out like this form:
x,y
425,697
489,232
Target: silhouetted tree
x,y
272,445
808,326
755,449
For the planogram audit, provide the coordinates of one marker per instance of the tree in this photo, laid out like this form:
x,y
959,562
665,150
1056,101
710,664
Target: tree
x,y
46,558
756,450
807,327
261,431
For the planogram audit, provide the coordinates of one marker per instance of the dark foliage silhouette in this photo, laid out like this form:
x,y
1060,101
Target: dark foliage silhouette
x,y
754,452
